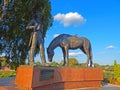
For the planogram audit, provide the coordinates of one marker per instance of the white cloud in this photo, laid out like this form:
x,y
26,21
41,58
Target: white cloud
x,y
110,47
75,54
56,35
71,18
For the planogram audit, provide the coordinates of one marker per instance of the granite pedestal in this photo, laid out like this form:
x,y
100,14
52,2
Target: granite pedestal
x,y
57,78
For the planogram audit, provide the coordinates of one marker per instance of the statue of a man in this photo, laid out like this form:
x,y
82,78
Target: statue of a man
x,y
36,39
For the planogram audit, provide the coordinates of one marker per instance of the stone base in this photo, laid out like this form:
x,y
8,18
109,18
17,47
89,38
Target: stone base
x,y
57,78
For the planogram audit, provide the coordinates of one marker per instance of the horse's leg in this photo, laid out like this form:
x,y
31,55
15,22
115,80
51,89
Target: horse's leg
x,y
64,54
64,45
85,49
88,59
85,52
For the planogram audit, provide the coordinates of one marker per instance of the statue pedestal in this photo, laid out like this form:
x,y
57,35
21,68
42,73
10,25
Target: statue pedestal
x,y
57,78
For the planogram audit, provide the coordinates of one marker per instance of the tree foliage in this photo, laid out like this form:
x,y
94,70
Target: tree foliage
x,y
38,64
3,60
116,70
13,36
73,62
54,64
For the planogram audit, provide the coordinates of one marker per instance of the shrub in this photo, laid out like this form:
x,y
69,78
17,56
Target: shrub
x,y
73,62
54,64
4,74
118,80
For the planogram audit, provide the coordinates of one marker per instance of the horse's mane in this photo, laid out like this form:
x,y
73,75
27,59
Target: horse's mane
x,y
57,38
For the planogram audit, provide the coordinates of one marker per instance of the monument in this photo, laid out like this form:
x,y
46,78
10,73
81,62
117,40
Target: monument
x,y
32,77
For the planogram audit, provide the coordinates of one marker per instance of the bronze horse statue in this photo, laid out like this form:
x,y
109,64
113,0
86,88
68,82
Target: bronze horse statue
x,y
66,41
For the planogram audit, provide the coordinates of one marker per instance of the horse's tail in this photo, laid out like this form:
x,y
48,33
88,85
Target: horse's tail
x,y
89,47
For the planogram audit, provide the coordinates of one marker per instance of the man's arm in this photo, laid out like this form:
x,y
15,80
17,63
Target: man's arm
x,y
32,24
30,27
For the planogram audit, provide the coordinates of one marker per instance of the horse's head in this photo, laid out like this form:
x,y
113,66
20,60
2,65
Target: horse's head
x,y
50,54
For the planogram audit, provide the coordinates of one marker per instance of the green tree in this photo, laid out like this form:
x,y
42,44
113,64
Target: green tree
x,y
82,64
13,36
73,62
0,65
116,70
3,60
96,65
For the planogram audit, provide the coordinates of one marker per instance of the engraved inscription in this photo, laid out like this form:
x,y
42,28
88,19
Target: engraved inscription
x,y
46,74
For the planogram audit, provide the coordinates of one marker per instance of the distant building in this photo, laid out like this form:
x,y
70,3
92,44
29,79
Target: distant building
x,y
5,68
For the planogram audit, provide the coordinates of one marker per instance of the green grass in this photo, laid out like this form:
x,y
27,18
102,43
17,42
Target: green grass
x,y
5,74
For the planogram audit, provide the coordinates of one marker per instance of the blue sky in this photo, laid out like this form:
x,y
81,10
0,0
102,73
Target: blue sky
x,y
98,20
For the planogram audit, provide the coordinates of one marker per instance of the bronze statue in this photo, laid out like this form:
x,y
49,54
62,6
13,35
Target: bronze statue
x,y
36,39
66,42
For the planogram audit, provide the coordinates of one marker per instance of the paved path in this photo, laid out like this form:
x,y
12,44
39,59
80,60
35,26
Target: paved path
x,y
105,87
8,81
111,87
